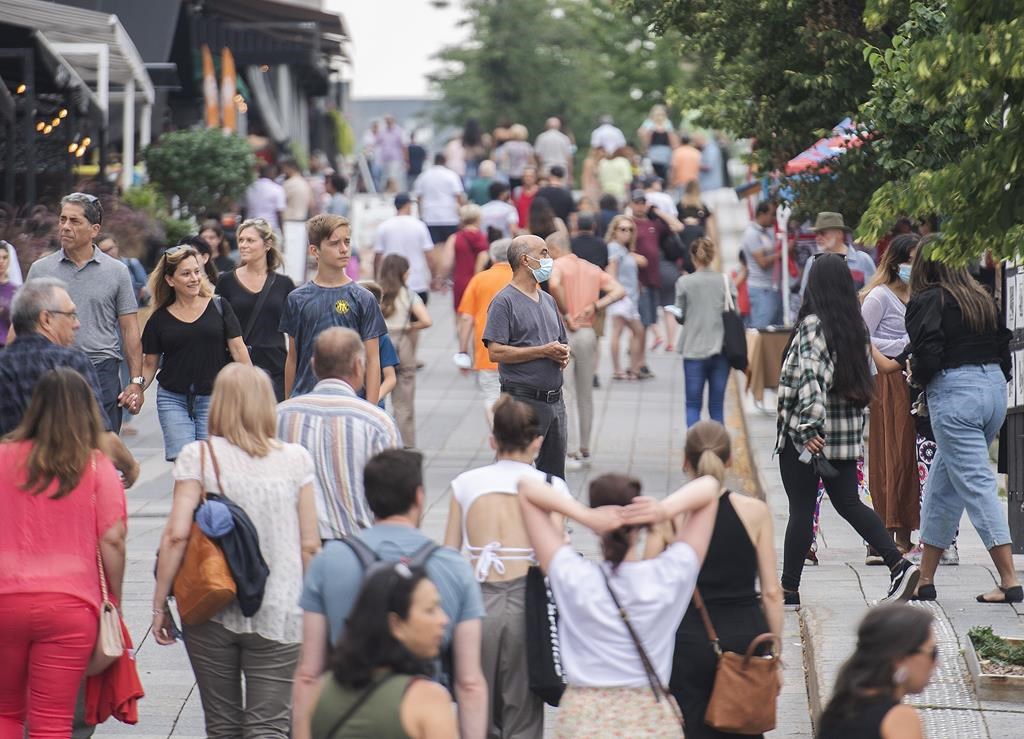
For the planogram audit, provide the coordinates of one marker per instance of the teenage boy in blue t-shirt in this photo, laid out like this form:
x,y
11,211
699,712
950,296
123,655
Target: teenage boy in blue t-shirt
x,y
331,298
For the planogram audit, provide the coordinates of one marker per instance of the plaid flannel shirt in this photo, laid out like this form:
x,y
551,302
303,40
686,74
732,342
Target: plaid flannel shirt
x,y
806,408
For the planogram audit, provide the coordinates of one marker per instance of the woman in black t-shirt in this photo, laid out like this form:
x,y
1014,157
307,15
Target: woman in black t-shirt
x,y
258,258
190,337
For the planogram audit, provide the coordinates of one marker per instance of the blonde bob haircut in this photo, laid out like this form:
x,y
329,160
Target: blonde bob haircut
x,y
469,214
163,294
243,409
267,235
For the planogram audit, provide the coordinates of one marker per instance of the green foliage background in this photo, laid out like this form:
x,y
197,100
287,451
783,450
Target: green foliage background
x,y
206,168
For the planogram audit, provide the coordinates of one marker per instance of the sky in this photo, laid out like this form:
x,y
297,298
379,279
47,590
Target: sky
x,y
392,42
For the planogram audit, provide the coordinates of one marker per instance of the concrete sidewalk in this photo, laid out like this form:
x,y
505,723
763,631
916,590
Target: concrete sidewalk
x,y
837,593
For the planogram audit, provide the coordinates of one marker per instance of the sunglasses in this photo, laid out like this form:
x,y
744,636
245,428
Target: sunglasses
x,y
174,250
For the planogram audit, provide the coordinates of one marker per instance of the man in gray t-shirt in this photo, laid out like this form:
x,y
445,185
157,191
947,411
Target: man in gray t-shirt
x,y
526,337
101,288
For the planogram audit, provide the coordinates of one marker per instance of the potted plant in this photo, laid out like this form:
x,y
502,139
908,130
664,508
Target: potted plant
x,y
996,664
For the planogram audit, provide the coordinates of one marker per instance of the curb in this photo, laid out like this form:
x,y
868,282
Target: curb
x,y
742,442
811,682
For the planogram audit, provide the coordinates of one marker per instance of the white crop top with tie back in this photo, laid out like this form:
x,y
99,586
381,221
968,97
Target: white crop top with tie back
x,y
502,477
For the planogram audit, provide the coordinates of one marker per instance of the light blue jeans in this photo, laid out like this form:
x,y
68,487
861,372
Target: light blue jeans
x,y
967,406
765,307
182,418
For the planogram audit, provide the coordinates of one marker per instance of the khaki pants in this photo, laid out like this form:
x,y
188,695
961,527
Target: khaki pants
x,y
516,713
579,387
403,397
220,658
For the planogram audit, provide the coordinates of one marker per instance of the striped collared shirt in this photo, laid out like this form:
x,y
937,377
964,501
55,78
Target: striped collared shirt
x,y
341,432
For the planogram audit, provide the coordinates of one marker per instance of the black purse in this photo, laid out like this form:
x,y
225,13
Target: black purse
x,y
734,333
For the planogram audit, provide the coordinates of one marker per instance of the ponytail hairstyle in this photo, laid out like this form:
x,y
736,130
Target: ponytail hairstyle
x,y
703,251
615,489
516,425
708,449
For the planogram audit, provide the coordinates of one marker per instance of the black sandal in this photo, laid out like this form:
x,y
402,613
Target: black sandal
x,y
1010,595
925,592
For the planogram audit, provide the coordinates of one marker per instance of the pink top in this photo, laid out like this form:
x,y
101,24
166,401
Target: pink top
x,y
47,545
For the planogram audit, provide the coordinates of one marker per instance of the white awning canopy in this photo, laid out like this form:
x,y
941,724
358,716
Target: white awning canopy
x,y
99,57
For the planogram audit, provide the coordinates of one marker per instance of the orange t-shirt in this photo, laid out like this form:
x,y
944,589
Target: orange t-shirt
x,y
47,545
685,164
475,302
581,282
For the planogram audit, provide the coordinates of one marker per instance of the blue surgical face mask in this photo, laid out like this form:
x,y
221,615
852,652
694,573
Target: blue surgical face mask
x,y
542,273
905,273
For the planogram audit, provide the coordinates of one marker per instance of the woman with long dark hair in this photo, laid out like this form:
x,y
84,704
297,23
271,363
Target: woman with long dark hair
x,y
202,247
895,656
960,356
824,389
892,467
380,684
544,223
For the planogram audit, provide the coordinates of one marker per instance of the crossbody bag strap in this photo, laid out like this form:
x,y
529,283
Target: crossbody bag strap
x,y
709,627
370,690
216,467
105,596
652,676
261,300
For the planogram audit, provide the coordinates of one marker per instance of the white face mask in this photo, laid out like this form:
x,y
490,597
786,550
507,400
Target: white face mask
x,y
542,273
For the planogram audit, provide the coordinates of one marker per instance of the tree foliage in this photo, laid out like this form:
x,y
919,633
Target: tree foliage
x,y
577,59
947,106
206,168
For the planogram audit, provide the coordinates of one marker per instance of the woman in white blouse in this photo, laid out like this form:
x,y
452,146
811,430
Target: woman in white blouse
x,y
892,457
484,519
616,680
273,482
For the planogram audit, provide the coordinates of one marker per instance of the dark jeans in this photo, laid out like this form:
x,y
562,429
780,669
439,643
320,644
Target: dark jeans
x,y
553,428
713,372
801,483
108,372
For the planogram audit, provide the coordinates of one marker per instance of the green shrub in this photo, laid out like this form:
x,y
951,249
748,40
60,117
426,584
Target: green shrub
x,y
206,169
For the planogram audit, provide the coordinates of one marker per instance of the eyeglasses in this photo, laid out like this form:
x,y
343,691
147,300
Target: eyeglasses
x,y
73,315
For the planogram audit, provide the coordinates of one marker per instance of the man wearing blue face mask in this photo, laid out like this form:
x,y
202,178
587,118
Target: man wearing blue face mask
x,y
526,337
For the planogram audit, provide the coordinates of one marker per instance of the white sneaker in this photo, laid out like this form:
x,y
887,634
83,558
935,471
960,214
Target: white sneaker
x,y
950,557
572,464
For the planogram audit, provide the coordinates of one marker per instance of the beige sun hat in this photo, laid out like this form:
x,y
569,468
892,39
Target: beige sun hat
x,y
827,220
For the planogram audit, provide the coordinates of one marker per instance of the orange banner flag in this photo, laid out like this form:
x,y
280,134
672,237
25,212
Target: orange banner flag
x,y
228,90
210,97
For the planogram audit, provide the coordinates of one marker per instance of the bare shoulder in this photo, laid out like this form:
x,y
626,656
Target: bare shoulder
x,y
428,691
902,722
753,513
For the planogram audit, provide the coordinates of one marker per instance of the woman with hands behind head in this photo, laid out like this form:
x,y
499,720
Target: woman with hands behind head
x,y
610,684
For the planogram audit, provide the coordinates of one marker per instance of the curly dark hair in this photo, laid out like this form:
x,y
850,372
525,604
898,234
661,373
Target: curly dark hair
x,y
368,644
831,296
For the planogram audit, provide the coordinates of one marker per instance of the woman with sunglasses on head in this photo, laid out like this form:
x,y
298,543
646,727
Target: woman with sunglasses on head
x,y
190,337
895,656
624,265
960,356
258,293
380,684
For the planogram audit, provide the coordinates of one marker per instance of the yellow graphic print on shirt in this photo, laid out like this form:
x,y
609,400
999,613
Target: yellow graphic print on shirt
x,y
341,307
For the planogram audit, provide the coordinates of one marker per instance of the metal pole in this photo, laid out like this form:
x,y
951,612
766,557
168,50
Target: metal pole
x,y
782,214
128,136
28,64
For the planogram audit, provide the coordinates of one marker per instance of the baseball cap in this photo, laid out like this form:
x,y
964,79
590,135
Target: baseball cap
x,y
638,196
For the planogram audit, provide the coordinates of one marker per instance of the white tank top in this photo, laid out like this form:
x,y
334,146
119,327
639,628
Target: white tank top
x,y
501,478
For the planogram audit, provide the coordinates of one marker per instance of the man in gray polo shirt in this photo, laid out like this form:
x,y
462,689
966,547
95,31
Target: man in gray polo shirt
x,y
525,336
101,288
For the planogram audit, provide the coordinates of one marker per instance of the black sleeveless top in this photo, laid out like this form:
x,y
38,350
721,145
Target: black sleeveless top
x,y
730,567
864,723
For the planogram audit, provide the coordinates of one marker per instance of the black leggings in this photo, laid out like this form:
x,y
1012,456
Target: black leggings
x,y
801,483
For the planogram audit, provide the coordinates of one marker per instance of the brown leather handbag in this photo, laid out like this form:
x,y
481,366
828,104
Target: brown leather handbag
x,y
203,586
746,686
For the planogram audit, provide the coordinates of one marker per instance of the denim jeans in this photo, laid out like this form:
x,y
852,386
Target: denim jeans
x,y
765,307
967,406
713,372
182,419
108,372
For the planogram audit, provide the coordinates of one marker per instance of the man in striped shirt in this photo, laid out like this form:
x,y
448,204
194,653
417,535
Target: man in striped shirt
x,y
340,430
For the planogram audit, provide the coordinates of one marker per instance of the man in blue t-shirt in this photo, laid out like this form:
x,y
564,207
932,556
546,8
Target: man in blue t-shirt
x,y
393,486
331,298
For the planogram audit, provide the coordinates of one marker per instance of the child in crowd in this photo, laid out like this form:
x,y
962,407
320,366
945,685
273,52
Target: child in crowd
x,y
388,355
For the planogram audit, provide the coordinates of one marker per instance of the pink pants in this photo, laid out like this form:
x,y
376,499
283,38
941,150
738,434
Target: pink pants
x,y
46,640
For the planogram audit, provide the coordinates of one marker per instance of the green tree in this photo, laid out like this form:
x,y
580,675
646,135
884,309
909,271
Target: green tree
x,y
206,168
947,105
531,59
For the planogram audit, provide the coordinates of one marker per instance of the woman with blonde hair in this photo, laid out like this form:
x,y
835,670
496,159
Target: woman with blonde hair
x,y
741,552
258,293
701,297
62,505
405,315
466,250
515,155
191,335
624,266
273,483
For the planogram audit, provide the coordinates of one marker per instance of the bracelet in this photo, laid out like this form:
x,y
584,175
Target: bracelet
x,y
160,611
